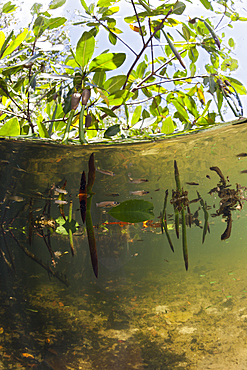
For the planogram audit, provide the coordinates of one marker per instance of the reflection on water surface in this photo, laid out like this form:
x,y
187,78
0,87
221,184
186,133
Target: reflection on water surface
x,y
144,310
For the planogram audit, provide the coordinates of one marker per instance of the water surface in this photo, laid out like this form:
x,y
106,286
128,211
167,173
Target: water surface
x,y
144,311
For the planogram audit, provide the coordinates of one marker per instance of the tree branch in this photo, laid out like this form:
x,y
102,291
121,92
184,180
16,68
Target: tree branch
x,y
145,46
108,29
138,20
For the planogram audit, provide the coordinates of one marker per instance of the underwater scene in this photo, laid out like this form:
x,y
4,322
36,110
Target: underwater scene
x,y
130,256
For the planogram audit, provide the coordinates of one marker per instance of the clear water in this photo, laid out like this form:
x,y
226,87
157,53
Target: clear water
x,y
144,311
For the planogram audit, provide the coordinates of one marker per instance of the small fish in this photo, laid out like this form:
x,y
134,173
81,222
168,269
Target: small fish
x,y
244,171
60,191
16,198
107,204
139,192
208,177
192,183
136,181
241,155
60,202
4,161
106,172
19,169
27,355
59,254
112,195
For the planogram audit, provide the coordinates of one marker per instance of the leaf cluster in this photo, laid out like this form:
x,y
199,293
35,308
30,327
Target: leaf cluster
x,y
151,88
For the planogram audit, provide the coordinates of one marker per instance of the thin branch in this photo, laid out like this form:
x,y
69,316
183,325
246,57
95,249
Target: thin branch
x,y
167,80
6,92
221,19
158,69
12,113
152,50
143,100
56,274
108,29
145,46
138,20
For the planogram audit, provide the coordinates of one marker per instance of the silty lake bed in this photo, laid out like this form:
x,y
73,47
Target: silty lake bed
x,y
144,310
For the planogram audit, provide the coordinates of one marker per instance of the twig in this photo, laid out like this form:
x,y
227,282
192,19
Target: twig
x,y
167,80
6,92
138,20
108,29
145,46
152,50
61,277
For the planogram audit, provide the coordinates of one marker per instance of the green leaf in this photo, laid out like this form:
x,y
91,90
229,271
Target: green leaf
x,y
99,78
239,87
191,105
114,83
178,8
85,48
2,39
112,130
112,38
231,43
8,7
56,4
136,115
56,22
178,104
64,226
35,9
107,62
192,69
206,108
42,129
230,63
10,128
212,85
193,54
15,43
42,23
168,126
186,32
206,4
108,111
104,3
118,97
83,3
133,211
174,50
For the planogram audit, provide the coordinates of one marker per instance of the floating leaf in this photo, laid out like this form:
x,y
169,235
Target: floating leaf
x,y
133,211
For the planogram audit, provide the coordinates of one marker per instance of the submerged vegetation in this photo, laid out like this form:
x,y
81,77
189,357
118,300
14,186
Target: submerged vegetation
x,y
88,93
